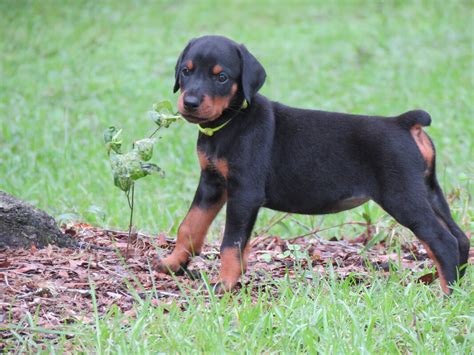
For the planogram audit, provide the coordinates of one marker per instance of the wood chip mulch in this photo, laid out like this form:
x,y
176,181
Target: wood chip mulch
x,y
54,284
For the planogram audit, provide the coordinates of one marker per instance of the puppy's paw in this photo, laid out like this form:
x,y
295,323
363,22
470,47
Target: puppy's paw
x,y
173,268
218,288
221,287
167,266
192,274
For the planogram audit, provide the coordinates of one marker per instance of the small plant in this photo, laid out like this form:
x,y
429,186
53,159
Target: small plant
x,y
294,252
133,165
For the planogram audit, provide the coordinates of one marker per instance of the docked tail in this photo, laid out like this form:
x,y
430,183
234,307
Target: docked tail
x,y
413,121
415,117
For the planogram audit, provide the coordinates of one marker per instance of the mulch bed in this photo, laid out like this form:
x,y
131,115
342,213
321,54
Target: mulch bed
x,y
55,284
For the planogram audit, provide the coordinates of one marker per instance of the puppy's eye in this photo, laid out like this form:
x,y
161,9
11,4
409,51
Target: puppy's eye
x,y
185,71
222,77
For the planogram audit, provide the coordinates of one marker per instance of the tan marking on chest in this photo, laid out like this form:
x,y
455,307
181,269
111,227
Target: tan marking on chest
x,y
222,167
203,160
219,165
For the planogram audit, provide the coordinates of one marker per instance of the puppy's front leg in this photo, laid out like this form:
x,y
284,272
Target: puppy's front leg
x,y
209,198
241,215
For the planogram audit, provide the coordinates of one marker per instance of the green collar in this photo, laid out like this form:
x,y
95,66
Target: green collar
x,y
210,131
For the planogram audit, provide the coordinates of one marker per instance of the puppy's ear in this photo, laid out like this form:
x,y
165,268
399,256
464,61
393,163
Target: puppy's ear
x,y
253,75
178,65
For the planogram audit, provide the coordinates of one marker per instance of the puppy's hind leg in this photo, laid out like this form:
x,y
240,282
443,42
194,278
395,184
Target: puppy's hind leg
x,y
436,197
415,212
441,208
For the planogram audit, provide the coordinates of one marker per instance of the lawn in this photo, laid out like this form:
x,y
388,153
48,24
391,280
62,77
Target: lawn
x,y
70,69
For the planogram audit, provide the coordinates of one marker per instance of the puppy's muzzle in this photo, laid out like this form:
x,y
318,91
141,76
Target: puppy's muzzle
x,y
191,103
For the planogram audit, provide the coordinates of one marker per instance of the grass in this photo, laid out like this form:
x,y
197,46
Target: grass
x,y
69,70
326,316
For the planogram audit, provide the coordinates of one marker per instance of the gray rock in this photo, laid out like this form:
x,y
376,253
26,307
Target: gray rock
x,y
22,225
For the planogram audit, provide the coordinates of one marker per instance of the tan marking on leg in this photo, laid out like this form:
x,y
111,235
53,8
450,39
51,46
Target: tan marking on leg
x,y
217,69
245,256
423,143
234,264
191,234
444,284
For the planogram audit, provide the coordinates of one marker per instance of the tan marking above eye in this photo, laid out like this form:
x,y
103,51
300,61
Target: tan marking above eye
x,y
217,69
190,65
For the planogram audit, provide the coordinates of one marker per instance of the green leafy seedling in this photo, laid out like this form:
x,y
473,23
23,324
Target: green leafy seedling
x,y
113,140
162,114
133,165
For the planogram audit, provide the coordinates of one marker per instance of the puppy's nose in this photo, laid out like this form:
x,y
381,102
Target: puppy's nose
x,y
191,102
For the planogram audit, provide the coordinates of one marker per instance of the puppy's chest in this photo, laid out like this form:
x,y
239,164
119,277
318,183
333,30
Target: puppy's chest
x,y
210,162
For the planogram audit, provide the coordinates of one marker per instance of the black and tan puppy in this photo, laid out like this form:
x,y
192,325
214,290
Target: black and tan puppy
x,y
258,153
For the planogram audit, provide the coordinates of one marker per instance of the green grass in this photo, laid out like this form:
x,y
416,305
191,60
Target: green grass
x,y
326,316
68,70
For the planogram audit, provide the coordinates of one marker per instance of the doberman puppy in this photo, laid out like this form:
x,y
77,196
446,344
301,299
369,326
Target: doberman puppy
x,y
256,153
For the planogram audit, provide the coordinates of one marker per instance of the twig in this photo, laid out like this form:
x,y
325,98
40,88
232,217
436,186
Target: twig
x,y
110,271
317,230
82,292
36,292
117,232
272,224
163,293
6,283
85,245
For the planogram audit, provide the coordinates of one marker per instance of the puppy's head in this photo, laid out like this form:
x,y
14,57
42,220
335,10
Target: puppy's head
x,y
213,74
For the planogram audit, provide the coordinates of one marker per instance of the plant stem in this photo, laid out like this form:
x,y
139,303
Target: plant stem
x,y
130,225
154,132
128,199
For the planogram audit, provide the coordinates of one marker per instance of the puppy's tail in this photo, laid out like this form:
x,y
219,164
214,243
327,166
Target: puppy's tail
x,y
415,117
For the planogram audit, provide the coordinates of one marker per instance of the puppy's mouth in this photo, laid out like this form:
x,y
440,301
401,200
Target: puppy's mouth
x,y
193,119
206,112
